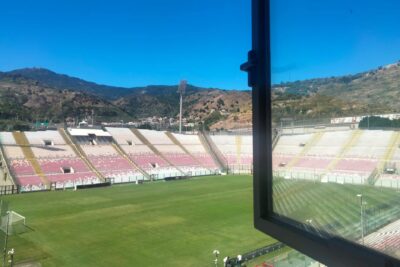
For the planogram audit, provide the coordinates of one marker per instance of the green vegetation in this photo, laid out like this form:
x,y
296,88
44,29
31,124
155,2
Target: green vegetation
x,y
371,92
28,94
378,122
14,125
214,117
154,224
180,223
34,93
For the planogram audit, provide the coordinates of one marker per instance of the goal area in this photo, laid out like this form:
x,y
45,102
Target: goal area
x,y
13,222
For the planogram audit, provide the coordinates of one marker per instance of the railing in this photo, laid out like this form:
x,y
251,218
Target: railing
x,y
144,140
213,151
9,189
234,261
275,138
373,177
120,151
6,167
23,143
240,168
176,142
79,152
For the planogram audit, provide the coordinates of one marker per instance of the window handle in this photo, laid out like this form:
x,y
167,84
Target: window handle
x,y
250,67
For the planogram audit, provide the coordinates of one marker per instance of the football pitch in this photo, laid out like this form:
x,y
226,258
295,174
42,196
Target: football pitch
x,y
175,223
180,223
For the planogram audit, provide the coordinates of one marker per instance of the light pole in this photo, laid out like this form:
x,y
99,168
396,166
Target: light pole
x,y
216,254
361,217
181,91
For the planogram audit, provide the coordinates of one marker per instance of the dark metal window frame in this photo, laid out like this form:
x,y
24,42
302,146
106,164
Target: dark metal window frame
x,y
328,249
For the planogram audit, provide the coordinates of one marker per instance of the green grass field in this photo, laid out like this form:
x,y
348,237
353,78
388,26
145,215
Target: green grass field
x,y
155,224
335,208
180,223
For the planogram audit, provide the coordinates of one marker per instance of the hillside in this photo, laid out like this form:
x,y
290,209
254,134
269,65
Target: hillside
x,y
200,105
36,93
28,94
23,100
372,92
48,78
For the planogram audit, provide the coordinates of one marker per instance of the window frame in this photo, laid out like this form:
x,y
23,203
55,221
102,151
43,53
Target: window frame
x,y
327,249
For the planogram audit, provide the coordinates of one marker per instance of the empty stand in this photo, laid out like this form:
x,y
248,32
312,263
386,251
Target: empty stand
x,y
99,149
24,144
306,147
236,150
135,166
192,145
346,146
330,144
79,152
157,155
351,156
213,150
386,239
369,146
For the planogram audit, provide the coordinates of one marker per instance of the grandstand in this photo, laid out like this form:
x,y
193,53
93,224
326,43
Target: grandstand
x,y
346,156
20,166
237,151
98,147
46,160
386,239
66,158
193,146
165,148
141,152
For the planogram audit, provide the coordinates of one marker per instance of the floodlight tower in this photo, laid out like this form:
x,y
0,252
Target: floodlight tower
x,y
181,91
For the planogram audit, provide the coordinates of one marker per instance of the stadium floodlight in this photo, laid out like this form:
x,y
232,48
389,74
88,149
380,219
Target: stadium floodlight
x,y
181,91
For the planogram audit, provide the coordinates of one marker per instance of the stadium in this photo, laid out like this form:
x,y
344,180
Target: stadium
x,y
336,160
67,158
106,161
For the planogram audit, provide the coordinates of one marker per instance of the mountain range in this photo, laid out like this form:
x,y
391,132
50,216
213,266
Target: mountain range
x,y
31,94
36,93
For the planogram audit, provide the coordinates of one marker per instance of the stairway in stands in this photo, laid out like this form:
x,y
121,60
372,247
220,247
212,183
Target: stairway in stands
x,y
176,142
23,143
79,152
5,165
213,150
275,139
314,140
144,140
238,142
122,153
345,148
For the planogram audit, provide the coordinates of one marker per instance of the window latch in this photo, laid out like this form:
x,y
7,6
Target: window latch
x,y
250,67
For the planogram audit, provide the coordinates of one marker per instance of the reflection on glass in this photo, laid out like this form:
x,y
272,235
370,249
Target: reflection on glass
x,y
336,119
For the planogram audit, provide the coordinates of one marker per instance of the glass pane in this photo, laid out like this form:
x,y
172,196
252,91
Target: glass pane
x,y
336,118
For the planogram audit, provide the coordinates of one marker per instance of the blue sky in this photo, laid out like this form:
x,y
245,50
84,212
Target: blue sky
x,y
325,38
136,43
